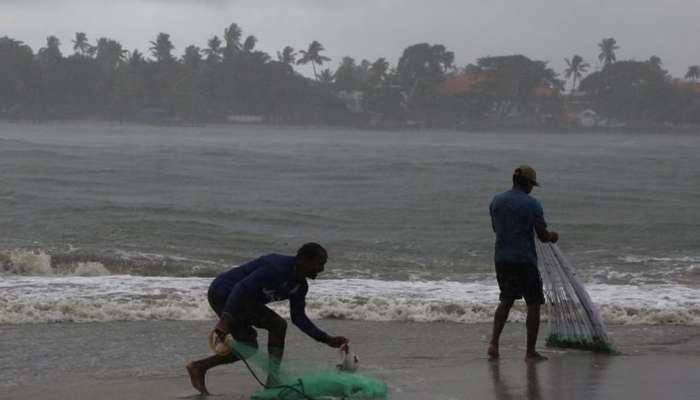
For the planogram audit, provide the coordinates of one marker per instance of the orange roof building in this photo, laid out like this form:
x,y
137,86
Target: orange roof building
x,y
462,84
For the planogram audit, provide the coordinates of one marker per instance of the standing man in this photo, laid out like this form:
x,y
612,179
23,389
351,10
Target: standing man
x,y
516,217
238,296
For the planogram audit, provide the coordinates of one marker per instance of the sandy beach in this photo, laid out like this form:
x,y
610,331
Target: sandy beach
x,y
145,360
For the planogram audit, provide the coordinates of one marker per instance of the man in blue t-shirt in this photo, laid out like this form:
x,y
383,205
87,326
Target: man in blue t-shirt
x,y
239,297
516,217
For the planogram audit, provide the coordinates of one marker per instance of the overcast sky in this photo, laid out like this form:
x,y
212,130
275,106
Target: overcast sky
x,y
541,29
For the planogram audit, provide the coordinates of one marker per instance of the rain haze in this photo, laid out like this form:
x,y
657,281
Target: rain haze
x,y
548,30
175,175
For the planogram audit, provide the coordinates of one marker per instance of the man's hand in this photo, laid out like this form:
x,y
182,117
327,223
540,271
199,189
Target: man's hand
x,y
553,237
336,341
223,327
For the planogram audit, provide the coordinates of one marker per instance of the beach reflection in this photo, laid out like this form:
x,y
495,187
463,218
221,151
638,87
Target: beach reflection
x,y
505,391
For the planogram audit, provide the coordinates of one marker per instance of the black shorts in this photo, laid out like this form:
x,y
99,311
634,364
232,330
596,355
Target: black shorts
x,y
252,314
519,280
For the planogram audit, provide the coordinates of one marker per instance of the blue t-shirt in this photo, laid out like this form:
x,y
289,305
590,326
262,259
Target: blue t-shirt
x,y
514,215
267,279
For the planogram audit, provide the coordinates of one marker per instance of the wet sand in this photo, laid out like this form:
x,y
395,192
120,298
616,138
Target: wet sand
x,y
145,360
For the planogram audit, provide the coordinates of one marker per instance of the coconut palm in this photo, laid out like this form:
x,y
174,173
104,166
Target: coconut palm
x,y
52,51
249,43
135,59
378,71
213,50
287,56
607,48
109,54
326,77
162,48
313,56
655,62
575,68
81,45
232,37
192,56
693,73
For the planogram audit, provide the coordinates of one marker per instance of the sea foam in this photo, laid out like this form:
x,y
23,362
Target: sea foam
x,y
33,299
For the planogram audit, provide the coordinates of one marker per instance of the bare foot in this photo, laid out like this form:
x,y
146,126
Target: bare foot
x,y
197,378
534,357
493,352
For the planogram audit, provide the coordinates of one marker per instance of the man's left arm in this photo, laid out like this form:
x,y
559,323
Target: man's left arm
x,y
297,310
541,226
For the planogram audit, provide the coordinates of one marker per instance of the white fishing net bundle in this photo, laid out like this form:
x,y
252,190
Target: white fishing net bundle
x,y
574,321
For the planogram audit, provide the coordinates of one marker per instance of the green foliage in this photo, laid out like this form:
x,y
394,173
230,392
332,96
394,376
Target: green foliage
x,y
424,64
313,55
631,91
162,48
350,76
693,72
287,56
511,81
231,76
575,68
607,49
15,73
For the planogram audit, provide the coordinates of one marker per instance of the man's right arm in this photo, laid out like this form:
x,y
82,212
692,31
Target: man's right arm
x,y
544,235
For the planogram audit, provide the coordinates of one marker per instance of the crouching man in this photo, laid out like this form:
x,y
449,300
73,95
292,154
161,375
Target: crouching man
x,y
239,297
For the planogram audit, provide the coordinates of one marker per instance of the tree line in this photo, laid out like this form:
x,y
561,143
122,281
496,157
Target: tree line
x,y
230,76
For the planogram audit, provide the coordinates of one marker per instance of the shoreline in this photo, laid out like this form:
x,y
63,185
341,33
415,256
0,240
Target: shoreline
x,y
476,128
145,360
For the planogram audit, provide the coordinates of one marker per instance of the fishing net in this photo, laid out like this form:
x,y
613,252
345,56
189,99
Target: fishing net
x,y
574,321
302,382
325,385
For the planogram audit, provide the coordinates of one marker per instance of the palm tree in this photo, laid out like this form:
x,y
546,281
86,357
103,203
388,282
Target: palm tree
x,y
326,77
232,37
249,43
81,45
109,54
52,51
287,56
136,59
192,56
655,62
607,50
575,68
213,50
693,73
162,48
378,70
313,56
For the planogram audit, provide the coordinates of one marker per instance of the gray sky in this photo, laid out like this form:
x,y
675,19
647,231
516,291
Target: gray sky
x,y
542,29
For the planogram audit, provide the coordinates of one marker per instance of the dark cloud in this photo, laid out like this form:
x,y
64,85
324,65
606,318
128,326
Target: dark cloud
x,y
543,29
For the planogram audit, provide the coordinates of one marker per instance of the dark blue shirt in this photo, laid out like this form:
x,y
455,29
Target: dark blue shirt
x,y
514,215
267,279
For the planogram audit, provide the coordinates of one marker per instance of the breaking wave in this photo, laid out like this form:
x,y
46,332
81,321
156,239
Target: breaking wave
x,y
76,262
35,299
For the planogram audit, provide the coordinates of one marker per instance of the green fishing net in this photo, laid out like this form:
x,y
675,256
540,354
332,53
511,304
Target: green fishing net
x,y
301,382
325,385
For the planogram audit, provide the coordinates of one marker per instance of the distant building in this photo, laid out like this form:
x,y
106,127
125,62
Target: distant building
x,y
694,86
587,118
463,84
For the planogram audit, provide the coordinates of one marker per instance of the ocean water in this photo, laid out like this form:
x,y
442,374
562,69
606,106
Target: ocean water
x,y
119,222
